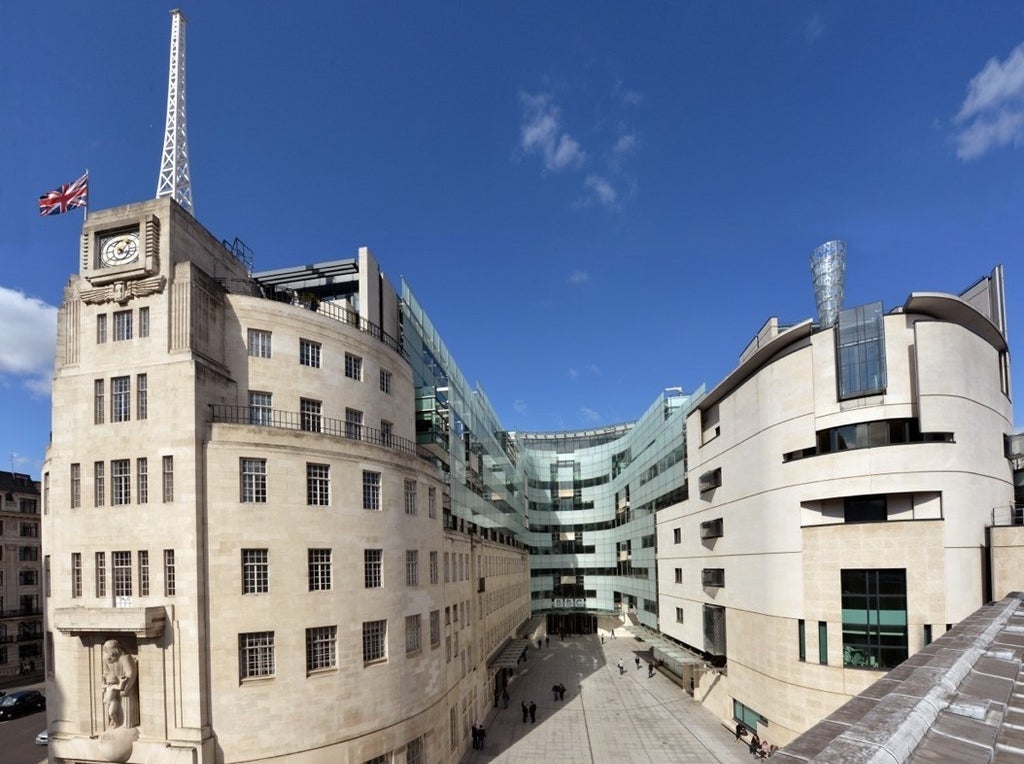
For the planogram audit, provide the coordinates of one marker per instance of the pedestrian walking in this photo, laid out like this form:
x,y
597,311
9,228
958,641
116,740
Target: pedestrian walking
x,y
476,736
554,691
504,697
637,662
540,644
561,691
526,711
533,711
622,667
650,670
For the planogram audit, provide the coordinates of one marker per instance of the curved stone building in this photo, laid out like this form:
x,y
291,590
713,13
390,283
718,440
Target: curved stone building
x,y
842,481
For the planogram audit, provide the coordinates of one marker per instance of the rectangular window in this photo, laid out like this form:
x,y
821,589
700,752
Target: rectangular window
x,y
120,399
447,570
143,322
318,484
353,366
170,585
261,408
677,535
860,351
311,415
76,485
259,343
256,654
712,529
822,642
255,571
100,489
76,574
387,433
432,502
374,641
801,640
122,325
679,575
713,577
373,565
865,509
120,481
142,396
385,381
874,618
412,567
679,615
168,478
435,628
413,636
410,497
143,573
321,648
98,389
710,480
101,574
101,328
121,562
748,717
414,752
927,634
253,475
142,479
353,424
371,490
433,567
319,570
309,353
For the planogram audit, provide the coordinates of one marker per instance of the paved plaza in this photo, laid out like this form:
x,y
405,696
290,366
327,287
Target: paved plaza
x,y
606,716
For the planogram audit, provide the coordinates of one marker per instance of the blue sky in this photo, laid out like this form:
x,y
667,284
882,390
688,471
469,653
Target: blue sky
x,y
594,201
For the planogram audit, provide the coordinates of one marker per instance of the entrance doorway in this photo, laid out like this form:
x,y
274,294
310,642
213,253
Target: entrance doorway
x,y
571,623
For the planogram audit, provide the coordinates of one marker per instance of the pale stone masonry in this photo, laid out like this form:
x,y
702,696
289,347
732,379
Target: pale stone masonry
x,y
224,465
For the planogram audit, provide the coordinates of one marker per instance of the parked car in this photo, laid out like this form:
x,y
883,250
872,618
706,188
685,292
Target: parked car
x,y
20,703
43,738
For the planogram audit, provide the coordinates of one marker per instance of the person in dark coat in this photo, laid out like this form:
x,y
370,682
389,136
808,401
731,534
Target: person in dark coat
x,y
533,711
526,711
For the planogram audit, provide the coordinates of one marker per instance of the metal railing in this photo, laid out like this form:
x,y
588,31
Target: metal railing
x,y
304,422
1011,514
253,288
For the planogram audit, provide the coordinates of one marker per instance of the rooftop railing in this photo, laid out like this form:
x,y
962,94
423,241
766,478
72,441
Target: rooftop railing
x,y
311,302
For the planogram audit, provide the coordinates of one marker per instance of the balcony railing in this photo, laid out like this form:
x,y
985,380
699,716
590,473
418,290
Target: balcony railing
x,y
21,612
252,288
294,420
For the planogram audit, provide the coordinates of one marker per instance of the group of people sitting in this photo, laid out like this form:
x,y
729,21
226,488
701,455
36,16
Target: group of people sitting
x,y
759,749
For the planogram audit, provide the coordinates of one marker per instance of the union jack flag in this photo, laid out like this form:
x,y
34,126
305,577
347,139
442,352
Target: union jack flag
x,y
64,198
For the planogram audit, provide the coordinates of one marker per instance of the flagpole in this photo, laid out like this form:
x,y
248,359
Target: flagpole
x,y
85,207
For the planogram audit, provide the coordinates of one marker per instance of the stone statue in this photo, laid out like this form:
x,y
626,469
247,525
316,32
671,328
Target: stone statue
x,y
120,686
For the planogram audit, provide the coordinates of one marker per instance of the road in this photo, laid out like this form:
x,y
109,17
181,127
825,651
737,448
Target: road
x,y
17,736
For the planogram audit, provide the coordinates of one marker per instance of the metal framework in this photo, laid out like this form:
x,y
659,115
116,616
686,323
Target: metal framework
x,y
175,180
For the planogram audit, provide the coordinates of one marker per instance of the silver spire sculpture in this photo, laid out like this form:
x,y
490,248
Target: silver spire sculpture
x,y
175,180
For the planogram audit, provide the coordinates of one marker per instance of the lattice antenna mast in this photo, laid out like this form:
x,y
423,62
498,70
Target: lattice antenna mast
x,y
175,180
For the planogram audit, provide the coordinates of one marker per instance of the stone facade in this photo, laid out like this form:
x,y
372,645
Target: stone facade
x,y
237,497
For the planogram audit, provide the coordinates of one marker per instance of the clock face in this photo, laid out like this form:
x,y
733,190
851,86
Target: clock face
x,y
119,249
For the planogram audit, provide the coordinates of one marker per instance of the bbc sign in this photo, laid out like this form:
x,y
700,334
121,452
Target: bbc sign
x,y
569,602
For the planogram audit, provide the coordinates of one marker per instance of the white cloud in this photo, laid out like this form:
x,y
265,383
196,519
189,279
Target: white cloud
x,y
625,144
594,369
579,277
814,28
601,189
519,406
589,414
992,114
30,327
541,133
573,373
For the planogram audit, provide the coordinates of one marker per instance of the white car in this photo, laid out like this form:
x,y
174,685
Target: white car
x,y
43,738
